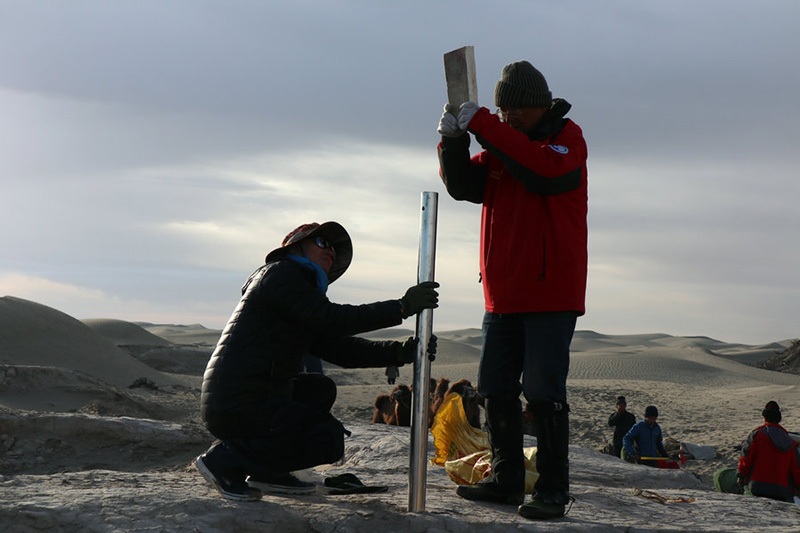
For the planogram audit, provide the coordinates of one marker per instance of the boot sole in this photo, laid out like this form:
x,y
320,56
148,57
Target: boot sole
x,y
483,495
539,514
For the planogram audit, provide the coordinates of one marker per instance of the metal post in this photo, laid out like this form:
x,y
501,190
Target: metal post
x,y
418,464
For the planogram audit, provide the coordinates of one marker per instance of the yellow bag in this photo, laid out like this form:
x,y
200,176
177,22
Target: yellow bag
x,y
470,469
465,451
452,435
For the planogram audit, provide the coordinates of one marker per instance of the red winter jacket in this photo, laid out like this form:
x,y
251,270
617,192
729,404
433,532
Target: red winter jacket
x,y
534,193
769,460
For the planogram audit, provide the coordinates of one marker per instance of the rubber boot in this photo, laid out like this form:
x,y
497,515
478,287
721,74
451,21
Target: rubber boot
x,y
551,493
507,482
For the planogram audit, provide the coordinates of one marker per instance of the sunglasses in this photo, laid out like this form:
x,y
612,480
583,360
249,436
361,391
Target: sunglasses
x,y
323,243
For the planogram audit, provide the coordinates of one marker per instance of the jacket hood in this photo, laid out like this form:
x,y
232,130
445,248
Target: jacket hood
x,y
779,437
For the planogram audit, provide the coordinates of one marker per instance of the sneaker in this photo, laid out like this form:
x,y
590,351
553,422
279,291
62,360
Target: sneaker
x,y
539,509
236,490
490,492
285,483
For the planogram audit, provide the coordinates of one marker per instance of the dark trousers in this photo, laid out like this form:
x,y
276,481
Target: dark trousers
x,y
535,347
617,448
288,435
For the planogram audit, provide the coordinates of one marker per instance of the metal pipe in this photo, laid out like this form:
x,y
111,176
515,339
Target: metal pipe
x,y
418,460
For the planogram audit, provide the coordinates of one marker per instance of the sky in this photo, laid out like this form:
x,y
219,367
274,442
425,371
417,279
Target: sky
x,y
153,152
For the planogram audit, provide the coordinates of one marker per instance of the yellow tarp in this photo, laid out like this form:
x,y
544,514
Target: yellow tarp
x,y
464,451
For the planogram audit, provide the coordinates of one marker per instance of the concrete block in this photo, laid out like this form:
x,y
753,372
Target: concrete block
x,y
459,71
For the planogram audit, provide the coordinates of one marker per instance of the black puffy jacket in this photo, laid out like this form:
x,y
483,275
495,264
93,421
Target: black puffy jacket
x,y
281,316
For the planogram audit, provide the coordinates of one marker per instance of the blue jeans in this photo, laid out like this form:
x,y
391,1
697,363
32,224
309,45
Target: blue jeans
x,y
532,345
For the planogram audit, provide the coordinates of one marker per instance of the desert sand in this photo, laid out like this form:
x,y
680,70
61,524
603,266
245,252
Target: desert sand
x,y
80,450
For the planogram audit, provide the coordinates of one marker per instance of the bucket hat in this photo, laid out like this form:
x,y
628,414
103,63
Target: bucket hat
x,y
333,232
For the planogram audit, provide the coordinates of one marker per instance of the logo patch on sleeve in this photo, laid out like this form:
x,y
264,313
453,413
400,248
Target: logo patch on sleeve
x,y
558,148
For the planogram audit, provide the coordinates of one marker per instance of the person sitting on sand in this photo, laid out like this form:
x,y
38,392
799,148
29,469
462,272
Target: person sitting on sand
x,y
644,440
769,460
622,420
272,419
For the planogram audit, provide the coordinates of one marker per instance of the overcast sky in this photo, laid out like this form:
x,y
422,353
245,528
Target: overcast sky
x,y
152,152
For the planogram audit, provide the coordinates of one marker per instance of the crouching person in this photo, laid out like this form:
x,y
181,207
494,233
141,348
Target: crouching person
x,y
272,419
769,461
644,439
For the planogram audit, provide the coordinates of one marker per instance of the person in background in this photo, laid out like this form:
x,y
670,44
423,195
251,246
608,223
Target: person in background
x,y
769,461
644,439
531,180
270,417
622,421
391,374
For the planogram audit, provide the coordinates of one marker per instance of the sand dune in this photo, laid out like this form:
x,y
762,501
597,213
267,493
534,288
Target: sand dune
x,y
34,334
193,334
121,332
79,450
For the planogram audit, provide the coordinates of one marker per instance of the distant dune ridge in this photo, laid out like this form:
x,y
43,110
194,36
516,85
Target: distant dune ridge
x,y
121,332
34,334
81,450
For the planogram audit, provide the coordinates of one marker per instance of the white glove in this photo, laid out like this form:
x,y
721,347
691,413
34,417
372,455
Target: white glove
x,y
465,114
448,124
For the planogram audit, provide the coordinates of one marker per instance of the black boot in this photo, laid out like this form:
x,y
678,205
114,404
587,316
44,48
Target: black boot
x,y
551,493
507,482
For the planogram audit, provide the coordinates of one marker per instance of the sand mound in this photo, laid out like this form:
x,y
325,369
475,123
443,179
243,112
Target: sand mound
x,y
34,334
53,389
176,360
787,360
193,334
81,451
114,498
124,333
48,443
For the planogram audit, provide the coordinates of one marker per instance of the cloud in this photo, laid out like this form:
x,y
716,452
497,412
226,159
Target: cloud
x,y
154,152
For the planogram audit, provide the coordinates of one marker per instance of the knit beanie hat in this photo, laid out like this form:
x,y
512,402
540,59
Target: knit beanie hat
x,y
650,410
521,85
621,399
772,412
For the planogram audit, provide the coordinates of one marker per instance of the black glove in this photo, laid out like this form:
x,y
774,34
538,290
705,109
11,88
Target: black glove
x,y
407,351
432,347
419,297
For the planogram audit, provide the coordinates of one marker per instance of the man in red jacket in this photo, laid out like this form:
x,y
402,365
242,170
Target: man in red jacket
x,y
769,461
531,181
